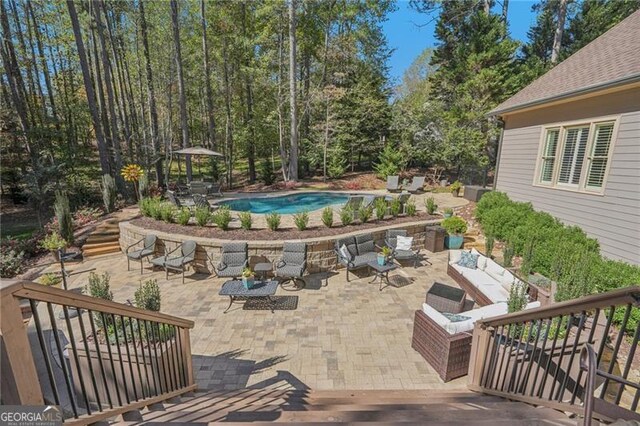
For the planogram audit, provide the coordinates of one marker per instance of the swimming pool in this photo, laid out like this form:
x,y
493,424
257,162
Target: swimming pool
x,y
287,204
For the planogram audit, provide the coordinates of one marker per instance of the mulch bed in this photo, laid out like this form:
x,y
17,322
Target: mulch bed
x,y
266,234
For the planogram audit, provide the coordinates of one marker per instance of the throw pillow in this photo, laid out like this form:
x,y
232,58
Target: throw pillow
x,y
468,260
455,317
404,243
344,251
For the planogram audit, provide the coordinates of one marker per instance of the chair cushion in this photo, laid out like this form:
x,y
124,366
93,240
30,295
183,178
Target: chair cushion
x,y
231,271
234,258
404,254
468,260
495,292
494,270
363,259
436,316
477,277
454,256
344,251
139,254
365,244
455,317
403,243
507,280
290,270
350,243
482,260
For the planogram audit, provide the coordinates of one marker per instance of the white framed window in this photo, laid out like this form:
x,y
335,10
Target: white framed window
x,y
576,156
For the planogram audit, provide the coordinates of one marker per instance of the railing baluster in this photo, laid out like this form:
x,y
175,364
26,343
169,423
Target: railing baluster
x,y
614,356
488,365
545,372
524,358
574,349
605,333
45,352
533,354
627,366
183,370
594,326
547,329
159,359
144,358
74,351
167,354
89,360
157,387
124,378
135,352
515,358
504,355
63,362
99,352
174,357
506,368
113,366
562,349
126,346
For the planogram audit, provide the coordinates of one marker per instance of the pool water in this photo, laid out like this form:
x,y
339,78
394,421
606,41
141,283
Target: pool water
x,y
287,204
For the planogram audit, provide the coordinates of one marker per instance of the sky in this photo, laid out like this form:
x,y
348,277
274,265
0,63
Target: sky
x,y
409,32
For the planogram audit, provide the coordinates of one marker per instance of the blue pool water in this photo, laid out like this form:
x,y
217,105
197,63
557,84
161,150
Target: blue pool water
x,y
287,204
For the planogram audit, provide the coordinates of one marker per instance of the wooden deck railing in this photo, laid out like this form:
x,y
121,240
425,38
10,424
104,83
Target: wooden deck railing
x,y
94,358
534,356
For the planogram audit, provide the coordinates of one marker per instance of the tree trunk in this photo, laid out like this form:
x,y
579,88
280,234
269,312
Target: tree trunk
x,y
182,97
251,150
293,154
211,127
505,10
284,160
88,85
228,124
557,38
153,112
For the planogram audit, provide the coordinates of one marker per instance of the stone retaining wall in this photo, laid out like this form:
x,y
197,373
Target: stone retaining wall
x,y
320,254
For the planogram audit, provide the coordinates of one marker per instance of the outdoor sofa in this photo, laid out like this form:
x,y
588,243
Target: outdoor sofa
x,y
355,252
488,283
445,344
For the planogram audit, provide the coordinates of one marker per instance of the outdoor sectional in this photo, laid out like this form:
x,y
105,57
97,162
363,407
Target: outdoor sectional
x,y
489,283
361,250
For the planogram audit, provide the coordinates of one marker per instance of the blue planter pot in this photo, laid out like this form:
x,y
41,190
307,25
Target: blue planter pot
x,y
248,282
381,260
454,241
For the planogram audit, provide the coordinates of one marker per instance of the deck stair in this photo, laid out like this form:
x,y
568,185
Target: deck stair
x,y
104,239
262,406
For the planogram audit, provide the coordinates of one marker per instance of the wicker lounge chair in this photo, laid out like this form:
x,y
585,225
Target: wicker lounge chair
x,y
416,184
361,251
391,240
148,249
292,264
393,184
233,260
186,253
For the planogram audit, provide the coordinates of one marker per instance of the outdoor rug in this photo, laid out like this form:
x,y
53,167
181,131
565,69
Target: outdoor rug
x,y
282,303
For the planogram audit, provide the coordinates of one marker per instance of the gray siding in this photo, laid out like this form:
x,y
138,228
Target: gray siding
x,y
612,218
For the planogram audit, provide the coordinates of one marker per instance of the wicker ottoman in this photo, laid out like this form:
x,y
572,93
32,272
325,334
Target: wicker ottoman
x,y
444,298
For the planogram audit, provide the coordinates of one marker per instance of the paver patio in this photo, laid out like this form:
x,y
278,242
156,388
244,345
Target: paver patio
x,y
342,336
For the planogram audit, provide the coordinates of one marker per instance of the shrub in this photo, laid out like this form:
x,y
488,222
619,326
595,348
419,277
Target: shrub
x,y
53,242
155,209
390,162
273,221
337,164
147,296
454,225
245,220
380,208
412,210
327,217
499,222
202,215
11,262
99,286
573,269
490,201
507,254
143,186
448,211
488,244
63,214
50,279
365,213
167,212
455,186
301,220
395,207
222,218
430,205
109,193
517,298
183,216
149,205
266,172
346,216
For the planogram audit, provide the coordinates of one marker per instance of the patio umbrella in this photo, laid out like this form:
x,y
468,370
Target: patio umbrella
x,y
198,150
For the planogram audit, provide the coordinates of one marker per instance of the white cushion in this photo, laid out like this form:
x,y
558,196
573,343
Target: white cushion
x,y
344,251
494,270
440,319
459,327
482,262
477,277
454,256
532,305
495,293
404,243
507,280
487,311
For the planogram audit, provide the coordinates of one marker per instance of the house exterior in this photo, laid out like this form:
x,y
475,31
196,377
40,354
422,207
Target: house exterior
x,y
571,141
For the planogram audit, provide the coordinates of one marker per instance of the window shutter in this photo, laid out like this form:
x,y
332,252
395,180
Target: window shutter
x,y
575,145
549,155
599,155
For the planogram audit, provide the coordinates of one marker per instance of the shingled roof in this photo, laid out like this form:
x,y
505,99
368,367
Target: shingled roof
x,y
611,59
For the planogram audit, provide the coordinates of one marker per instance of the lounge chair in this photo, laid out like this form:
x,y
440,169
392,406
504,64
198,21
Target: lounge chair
x,y
234,259
201,202
148,249
404,198
172,197
292,264
360,251
416,184
391,240
354,202
186,253
215,190
197,187
393,183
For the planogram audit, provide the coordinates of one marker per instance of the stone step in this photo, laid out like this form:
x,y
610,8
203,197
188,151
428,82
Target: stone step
x,y
89,246
100,251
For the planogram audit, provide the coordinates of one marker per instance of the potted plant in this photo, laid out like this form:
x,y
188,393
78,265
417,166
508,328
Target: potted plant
x,y
248,278
53,242
455,188
384,256
455,227
448,212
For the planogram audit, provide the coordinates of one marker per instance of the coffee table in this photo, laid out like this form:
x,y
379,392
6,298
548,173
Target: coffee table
x,y
444,298
236,291
381,272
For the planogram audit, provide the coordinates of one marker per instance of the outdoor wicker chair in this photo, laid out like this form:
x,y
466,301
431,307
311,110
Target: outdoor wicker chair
x,y
186,253
416,184
233,260
148,249
391,240
292,264
393,184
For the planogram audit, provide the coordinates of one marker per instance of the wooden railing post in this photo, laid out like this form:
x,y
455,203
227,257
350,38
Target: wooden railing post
x,y
20,383
185,339
479,353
